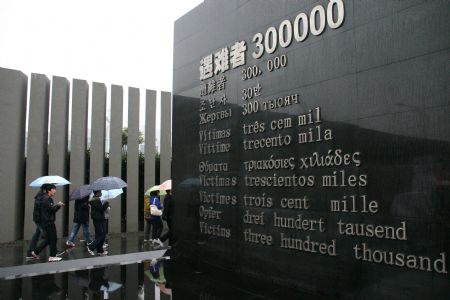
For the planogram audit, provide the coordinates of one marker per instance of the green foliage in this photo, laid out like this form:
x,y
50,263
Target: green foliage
x,y
125,136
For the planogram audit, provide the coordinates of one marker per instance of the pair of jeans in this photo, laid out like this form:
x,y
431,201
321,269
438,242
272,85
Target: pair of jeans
x,y
76,228
99,227
156,227
50,239
37,234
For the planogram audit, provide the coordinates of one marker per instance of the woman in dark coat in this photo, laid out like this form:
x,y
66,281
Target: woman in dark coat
x,y
80,218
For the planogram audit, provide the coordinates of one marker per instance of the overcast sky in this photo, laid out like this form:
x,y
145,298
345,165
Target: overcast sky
x,y
128,43
122,42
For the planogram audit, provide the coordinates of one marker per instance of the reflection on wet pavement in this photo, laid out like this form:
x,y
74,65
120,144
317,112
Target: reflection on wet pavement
x,y
159,278
135,281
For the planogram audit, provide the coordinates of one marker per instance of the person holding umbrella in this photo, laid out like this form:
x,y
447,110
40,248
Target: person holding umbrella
x,y
153,220
81,214
41,183
37,220
47,221
98,218
80,218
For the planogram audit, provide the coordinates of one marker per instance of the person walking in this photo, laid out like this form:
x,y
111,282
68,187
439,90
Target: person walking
x,y
80,218
47,220
156,221
167,216
98,218
105,243
37,220
147,218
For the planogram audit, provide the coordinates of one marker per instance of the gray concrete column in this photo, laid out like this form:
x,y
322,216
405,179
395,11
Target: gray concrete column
x,y
57,151
78,138
115,153
133,161
13,100
166,136
37,141
98,125
150,138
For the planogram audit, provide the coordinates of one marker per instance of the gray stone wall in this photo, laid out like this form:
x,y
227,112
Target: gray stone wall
x,y
57,140
13,99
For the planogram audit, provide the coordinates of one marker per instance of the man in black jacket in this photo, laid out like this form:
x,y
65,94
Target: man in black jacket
x,y
98,218
47,220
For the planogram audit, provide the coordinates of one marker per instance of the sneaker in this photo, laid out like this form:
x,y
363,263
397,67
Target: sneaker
x,y
69,244
105,245
104,253
89,243
54,258
90,251
158,242
32,255
58,253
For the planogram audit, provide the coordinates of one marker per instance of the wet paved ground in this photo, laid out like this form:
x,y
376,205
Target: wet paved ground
x,y
14,254
122,250
132,270
120,275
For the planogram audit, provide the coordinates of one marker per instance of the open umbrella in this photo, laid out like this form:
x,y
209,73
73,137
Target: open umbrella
x,y
108,183
53,179
110,194
166,185
80,192
162,192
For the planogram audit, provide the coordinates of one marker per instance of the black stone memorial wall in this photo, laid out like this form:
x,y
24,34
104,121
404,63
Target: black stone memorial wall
x,y
311,144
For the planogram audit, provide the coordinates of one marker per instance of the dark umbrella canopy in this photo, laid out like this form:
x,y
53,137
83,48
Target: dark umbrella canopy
x,y
108,183
80,192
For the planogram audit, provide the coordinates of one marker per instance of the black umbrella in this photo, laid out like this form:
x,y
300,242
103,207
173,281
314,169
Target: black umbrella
x,y
80,192
108,183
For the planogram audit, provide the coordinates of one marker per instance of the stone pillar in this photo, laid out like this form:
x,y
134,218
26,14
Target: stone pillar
x,y
13,100
98,122
115,153
37,141
78,138
133,161
131,283
57,151
166,136
150,138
